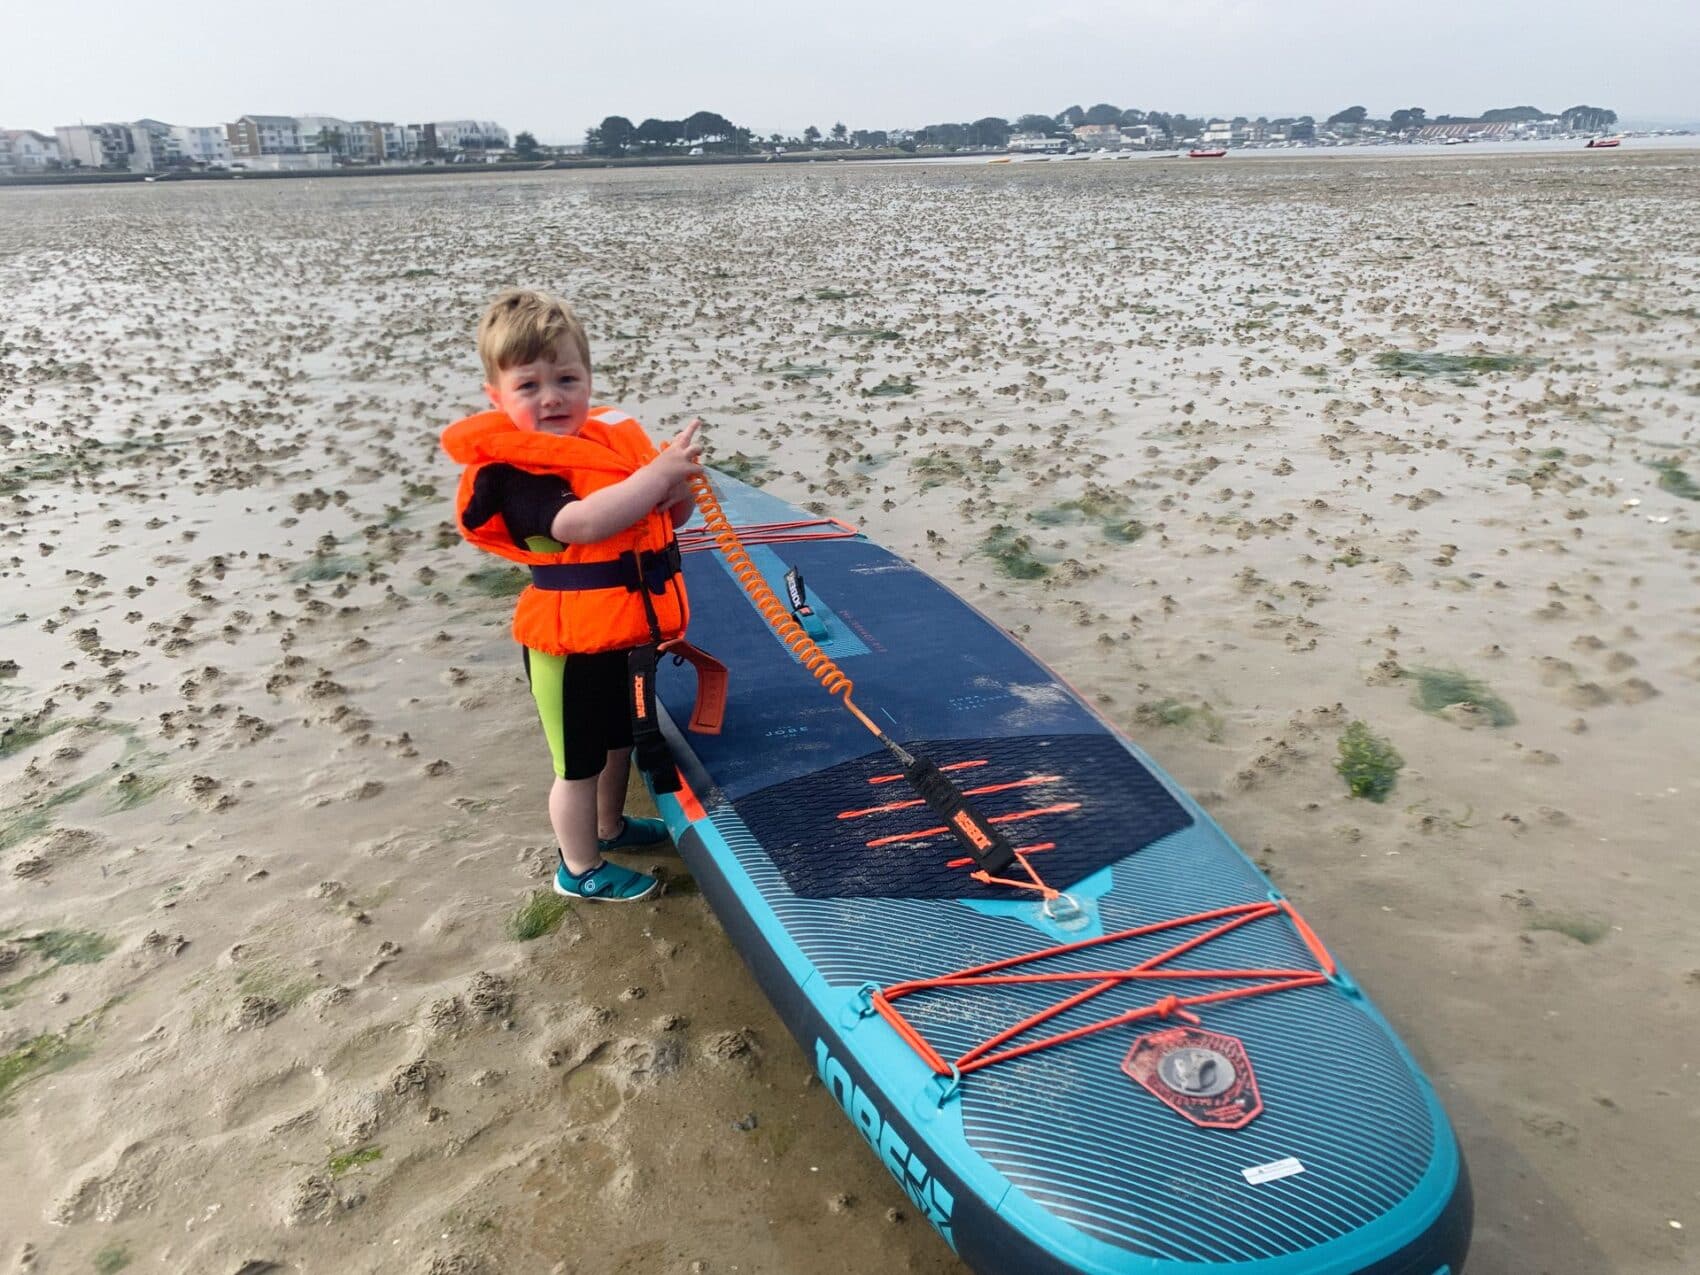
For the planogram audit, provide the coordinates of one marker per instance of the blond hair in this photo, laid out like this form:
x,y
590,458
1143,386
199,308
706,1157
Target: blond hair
x,y
522,325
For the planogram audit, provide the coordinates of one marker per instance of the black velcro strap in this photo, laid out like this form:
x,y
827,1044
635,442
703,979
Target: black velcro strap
x,y
650,570
991,850
654,757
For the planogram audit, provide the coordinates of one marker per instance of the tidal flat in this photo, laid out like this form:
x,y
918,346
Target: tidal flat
x,y
1251,452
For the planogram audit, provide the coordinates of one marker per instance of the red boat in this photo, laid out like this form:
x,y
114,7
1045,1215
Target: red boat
x,y
1601,143
1219,152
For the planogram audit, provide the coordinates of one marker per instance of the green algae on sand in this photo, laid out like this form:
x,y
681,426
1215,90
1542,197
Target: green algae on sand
x,y
1459,368
1173,712
56,947
1440,689
1096,504
1586,930
341,1164
891,387
1368,763
48,1052
746,469
497,582
1674,479
540,914
327,566
1013,553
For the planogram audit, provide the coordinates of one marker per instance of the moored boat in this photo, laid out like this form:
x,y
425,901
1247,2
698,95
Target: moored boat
x,y
1214,153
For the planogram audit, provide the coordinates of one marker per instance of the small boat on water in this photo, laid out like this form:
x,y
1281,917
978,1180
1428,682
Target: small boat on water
x,y
1602,143
1214,153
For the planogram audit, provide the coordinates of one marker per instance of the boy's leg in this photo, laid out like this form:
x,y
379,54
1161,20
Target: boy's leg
x,y
572,813
575,723
611,793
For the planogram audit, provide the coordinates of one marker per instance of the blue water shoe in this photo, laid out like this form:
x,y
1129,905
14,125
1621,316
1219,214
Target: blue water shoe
x,y
634,834
605,883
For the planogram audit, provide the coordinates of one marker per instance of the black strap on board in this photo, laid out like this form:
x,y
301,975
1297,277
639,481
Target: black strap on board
x,y
990,848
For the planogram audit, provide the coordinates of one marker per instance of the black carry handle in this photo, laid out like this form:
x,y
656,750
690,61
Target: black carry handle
x,y
990,848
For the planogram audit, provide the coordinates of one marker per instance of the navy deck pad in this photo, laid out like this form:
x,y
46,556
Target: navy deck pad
x,y
1085,793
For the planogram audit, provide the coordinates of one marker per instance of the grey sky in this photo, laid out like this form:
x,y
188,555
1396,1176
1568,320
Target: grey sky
x,y
555,68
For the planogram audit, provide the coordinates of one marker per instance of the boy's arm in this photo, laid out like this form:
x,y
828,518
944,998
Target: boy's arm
x,y
680,504
617,506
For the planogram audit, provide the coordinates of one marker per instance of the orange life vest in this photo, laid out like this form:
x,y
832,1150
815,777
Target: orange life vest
x,y
578,618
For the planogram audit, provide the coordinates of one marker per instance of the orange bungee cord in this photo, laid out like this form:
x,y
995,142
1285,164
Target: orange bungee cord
x,y
991,850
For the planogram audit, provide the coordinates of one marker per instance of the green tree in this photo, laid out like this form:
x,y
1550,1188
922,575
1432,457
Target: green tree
x,y
1103,113
707,124
839,132
1042,124
1408,118
1353,115
990,131
612,136
1588,119
811,135
875,138
1070,117
653,132
1513,115
1130,118
525,146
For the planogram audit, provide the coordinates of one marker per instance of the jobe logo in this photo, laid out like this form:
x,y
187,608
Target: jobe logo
x,y
925,1191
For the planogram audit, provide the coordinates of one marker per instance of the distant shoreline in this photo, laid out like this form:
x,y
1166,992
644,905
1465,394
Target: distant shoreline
x,y
79,178
886,155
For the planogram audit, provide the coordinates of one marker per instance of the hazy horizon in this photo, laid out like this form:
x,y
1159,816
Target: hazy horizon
x,y
883,65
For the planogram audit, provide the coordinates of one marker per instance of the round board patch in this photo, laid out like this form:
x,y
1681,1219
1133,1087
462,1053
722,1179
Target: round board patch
x,y
1204,1075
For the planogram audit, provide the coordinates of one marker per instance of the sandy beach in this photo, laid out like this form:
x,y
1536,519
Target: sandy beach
x,y
1248,452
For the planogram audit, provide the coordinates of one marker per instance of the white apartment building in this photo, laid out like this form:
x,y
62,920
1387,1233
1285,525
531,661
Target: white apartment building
x,y
94,145
256,135
152,146
326,133
469,135
206,145
23,150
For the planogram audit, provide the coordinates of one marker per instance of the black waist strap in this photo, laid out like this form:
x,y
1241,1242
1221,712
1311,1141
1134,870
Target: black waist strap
x,y
650,570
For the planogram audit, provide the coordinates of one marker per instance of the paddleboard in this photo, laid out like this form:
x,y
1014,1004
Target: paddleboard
x,y
1157,1068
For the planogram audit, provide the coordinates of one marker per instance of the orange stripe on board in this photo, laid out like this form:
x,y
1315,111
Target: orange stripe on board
x,y
688,802
922,833
969,792
955,765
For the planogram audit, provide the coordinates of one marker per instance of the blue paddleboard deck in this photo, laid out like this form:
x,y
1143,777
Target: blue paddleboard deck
x,y
832,881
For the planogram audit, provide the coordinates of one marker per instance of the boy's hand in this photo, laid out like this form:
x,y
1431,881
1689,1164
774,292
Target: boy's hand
x,y
681,459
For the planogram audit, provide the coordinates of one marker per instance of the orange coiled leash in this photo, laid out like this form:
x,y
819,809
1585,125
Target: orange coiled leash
x,y
990,849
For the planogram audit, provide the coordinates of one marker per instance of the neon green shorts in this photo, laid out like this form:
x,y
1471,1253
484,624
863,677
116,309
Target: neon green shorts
x,y
581,701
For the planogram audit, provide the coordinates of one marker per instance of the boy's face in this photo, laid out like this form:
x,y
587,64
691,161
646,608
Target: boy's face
x,y
551,394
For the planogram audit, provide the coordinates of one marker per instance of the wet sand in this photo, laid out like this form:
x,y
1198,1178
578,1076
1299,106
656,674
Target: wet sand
x,y
1247,452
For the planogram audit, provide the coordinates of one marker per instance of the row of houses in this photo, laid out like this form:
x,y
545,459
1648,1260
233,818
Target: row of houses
x,y
270,142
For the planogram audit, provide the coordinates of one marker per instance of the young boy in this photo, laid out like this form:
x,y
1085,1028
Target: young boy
x,y
579,494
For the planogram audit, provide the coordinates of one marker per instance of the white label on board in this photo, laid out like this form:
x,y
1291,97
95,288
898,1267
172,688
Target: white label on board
x,y
1273,1171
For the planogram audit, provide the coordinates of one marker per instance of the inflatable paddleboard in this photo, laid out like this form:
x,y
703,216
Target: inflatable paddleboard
x,y
1124,1051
